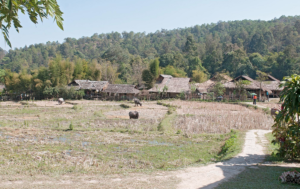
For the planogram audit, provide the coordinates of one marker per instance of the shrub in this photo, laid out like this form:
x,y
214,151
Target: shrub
x,y
71,127
287,122
124,106
76,107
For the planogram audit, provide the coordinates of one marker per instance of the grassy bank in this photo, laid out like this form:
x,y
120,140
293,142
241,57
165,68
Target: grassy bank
x,y
260,177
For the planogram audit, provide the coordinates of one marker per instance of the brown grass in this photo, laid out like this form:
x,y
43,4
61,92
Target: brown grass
x,y
204,117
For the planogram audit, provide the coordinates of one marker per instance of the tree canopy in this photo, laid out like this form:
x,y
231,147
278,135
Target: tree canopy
x,y
235,47
36,9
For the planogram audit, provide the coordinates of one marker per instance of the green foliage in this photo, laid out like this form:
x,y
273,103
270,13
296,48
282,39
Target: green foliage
x,y
240,88
230,143
181,95
77,107
150,75
219,89
148,78
199,76
35,9
287,122
175,72
154,67
71,127
124,106
236,47
2,76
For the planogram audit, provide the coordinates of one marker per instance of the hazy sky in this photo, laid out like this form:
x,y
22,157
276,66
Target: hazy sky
x,y
84,18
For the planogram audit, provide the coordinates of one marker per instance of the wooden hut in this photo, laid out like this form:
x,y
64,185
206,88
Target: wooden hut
x,y
272,85
254,86
92,89
171,86
207,86
121,91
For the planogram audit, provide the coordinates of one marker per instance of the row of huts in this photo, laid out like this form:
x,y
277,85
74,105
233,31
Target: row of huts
x,y
173,86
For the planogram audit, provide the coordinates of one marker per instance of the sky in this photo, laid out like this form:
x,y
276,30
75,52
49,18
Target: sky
x,y
85,18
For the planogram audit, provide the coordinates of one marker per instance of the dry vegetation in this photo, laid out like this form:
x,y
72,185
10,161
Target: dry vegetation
x,y
218,117
270,104
35,138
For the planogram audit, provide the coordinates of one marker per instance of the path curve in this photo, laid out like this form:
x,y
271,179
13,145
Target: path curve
x,y
211,175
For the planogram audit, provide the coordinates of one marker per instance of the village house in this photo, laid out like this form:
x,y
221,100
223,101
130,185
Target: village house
x,y
171,86
123,91
207,86
91,88
270,85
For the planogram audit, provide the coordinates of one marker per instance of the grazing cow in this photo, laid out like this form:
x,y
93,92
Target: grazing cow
x,y
134,115
274,111
137,102
60,101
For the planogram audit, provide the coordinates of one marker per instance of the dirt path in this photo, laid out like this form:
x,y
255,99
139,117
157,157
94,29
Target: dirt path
x,y
210,176
251,103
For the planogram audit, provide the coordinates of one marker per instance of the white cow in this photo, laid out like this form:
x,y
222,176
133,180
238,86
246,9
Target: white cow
x,y
60,101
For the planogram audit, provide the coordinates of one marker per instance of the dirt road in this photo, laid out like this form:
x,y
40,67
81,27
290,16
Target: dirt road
x,y
210,176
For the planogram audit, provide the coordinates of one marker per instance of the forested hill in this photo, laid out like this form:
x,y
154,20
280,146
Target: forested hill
x,y
236,47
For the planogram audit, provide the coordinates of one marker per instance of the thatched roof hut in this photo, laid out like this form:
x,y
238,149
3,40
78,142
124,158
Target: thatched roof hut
x,y
121,89
89,85
173,84
209,84
253,85
270,85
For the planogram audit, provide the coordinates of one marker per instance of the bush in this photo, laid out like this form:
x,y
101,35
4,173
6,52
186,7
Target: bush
x,y
71,127
230,144
124,106
287,123
76,107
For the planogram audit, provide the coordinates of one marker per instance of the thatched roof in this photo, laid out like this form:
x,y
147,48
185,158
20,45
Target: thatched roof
x,y
165,76
221,77
243,77
174,84
205,86
272,85
209,84
121,88
269,86
271,78
90,85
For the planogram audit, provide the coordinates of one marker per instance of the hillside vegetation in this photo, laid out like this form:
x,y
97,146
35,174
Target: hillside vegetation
x,y
235,47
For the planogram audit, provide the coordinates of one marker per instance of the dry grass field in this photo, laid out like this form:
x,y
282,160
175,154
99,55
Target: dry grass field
x,y
216,117
36,138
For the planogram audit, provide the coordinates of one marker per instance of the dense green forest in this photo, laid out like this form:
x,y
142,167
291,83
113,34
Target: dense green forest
x,y
234,47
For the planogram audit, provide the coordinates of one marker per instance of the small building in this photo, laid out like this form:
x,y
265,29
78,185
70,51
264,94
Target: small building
x,y
122,91
271,85
171,86
208,85
89,85
92,89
